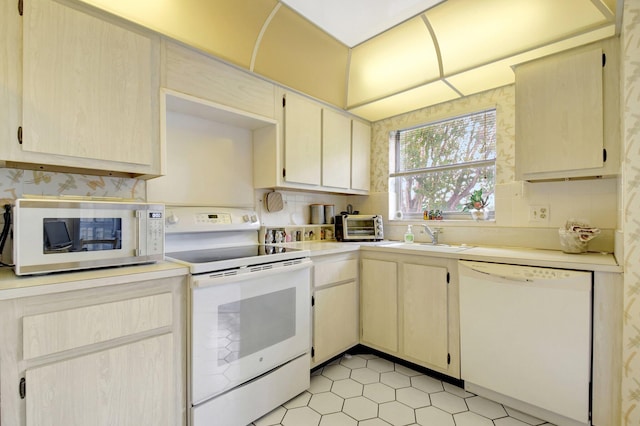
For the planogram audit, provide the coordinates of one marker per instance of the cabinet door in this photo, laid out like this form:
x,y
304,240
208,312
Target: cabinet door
x,y
335,323
336,150
559,113
126,385
379,299
360,156
302,140
88,86
425,314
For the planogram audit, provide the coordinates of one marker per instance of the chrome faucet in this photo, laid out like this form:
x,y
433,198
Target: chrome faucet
x,y
433,233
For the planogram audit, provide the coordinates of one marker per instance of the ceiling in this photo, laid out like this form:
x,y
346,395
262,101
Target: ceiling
x,y
378,58
355,21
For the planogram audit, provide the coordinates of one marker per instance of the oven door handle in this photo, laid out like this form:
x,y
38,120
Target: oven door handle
x,y
250,272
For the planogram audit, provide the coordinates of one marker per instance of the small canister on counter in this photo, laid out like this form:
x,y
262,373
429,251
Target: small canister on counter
x,y
317,214
328,213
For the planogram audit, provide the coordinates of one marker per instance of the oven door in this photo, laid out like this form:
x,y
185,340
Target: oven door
x,y
247,324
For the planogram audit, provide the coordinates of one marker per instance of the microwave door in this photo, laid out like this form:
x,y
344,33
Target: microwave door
x,y
56,236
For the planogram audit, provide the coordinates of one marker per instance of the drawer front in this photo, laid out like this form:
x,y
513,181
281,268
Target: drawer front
x,y
331,272
44,334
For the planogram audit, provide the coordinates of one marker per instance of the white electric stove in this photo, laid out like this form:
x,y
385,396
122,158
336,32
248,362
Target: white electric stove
x,y
250,309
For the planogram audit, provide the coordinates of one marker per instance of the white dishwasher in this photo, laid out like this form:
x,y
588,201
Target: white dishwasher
x,y
525,338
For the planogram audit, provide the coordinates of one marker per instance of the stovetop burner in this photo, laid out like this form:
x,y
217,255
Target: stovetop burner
x,y
228,253
215,259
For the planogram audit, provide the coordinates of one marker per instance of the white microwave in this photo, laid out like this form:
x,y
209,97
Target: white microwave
x,y
52,235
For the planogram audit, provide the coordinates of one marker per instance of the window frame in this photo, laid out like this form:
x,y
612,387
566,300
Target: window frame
x,y
395,184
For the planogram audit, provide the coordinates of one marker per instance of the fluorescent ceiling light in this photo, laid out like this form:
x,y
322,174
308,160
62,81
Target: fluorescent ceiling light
x,y
354,21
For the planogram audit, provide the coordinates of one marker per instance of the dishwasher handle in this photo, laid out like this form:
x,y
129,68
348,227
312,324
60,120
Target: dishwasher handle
x,y
521,273
503,276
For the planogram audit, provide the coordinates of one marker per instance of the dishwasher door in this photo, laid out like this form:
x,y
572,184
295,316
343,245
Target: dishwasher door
x,y
525,334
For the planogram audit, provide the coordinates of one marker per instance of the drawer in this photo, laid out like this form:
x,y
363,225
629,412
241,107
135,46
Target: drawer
x,y
52,332
330,272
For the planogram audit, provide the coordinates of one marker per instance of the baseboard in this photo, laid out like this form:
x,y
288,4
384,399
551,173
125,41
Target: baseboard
x,y
362,349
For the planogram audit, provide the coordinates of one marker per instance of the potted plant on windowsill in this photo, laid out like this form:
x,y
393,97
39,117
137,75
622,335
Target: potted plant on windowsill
x,y
476,206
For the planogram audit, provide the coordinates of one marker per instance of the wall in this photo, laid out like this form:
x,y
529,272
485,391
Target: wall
x,y
296,210
630,82
208,163
592,200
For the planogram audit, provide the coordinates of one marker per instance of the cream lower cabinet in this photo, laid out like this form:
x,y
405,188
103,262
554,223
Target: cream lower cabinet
x,y
410,309
425,326
379,304
104,356
335,307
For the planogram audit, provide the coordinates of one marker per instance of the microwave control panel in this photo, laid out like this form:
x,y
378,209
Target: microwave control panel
x,y
154,224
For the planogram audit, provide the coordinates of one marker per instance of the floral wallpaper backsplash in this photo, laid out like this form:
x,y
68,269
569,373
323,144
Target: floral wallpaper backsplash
x,y
595,201
503,99
630,85
16,183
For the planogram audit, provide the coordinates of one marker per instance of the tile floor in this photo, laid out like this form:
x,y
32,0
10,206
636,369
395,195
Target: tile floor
x,y
365,390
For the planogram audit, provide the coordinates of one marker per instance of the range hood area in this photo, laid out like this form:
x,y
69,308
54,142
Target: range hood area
x,y
454,49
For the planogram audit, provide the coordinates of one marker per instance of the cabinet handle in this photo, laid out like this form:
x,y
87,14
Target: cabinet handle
x,y
604,155
20,135
22,388
20,7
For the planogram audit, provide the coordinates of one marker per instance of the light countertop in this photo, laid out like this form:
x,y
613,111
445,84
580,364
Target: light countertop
x,y
12,286
590,261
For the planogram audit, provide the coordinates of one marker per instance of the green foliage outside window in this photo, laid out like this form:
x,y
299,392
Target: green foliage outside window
x,y
441,165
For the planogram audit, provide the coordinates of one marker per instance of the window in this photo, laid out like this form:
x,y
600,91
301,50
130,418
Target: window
x,y
439,165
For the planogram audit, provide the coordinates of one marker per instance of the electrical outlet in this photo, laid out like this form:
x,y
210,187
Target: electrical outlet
x,y
539,213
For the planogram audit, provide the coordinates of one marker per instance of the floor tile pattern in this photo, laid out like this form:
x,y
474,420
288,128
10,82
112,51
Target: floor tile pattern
x,y
366,390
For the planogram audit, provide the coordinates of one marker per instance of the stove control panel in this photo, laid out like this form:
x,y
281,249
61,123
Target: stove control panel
x,y
214,218
188,219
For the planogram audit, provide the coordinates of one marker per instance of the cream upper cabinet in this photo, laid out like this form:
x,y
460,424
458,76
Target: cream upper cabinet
x,y
336,149
89,92
360,156
313,150
189,71
566,114
302,140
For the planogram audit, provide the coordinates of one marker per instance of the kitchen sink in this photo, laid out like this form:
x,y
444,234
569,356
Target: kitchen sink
x,y
442,248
